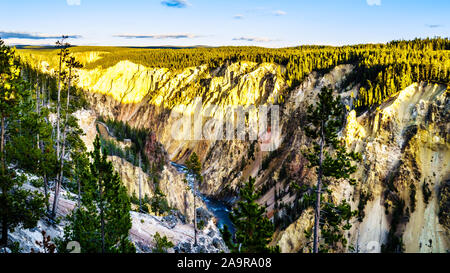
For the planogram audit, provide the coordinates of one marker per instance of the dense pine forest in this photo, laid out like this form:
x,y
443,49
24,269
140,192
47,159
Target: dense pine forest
x,y
381,69
40,137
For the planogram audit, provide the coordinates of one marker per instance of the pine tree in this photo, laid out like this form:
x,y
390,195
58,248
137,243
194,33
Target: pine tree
x,y
161,244
328,153
253,229
102,223
71,64
194,167
46,163
17,205
158,203
63,52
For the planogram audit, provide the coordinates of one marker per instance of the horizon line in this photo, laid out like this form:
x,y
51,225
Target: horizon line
x,y
224,45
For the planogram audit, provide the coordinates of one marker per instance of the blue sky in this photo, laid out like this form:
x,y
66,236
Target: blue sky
x,y
268,23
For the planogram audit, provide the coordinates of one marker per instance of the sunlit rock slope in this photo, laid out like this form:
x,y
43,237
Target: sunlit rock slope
x,y
404,143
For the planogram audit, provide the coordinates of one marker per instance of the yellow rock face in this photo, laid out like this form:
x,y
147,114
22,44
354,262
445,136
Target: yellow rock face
x,y
354,130
171,184
292,239
137,94
128,83
405,139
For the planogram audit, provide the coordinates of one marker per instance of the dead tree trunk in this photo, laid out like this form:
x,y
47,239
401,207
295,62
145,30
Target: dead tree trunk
x,y
140,196
195,215
40,143
38,107
58,107
61,170
102,216
319,193
4,239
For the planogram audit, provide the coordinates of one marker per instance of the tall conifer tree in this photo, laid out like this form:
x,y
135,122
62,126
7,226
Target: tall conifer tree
x,y
18,206
102,223
253,229
195,167
328,154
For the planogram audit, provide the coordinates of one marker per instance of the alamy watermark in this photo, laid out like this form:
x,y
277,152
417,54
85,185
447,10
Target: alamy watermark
x,y
227,122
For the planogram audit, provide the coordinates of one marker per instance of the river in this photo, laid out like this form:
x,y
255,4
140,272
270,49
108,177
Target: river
x,y
220,210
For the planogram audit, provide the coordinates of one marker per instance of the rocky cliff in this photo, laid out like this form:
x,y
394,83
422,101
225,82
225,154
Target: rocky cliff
x,y
171,182
144,227
404,143
405,149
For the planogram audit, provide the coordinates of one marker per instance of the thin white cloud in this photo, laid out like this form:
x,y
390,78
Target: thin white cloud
x,y
374,2
279,12
31,42
433,25
32,36
254,39
158,36
266,11
73,2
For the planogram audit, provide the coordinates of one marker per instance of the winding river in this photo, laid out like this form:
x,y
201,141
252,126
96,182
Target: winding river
x,y
220,210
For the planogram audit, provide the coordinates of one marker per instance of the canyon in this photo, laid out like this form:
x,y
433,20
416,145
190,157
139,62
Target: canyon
x,y
404,144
